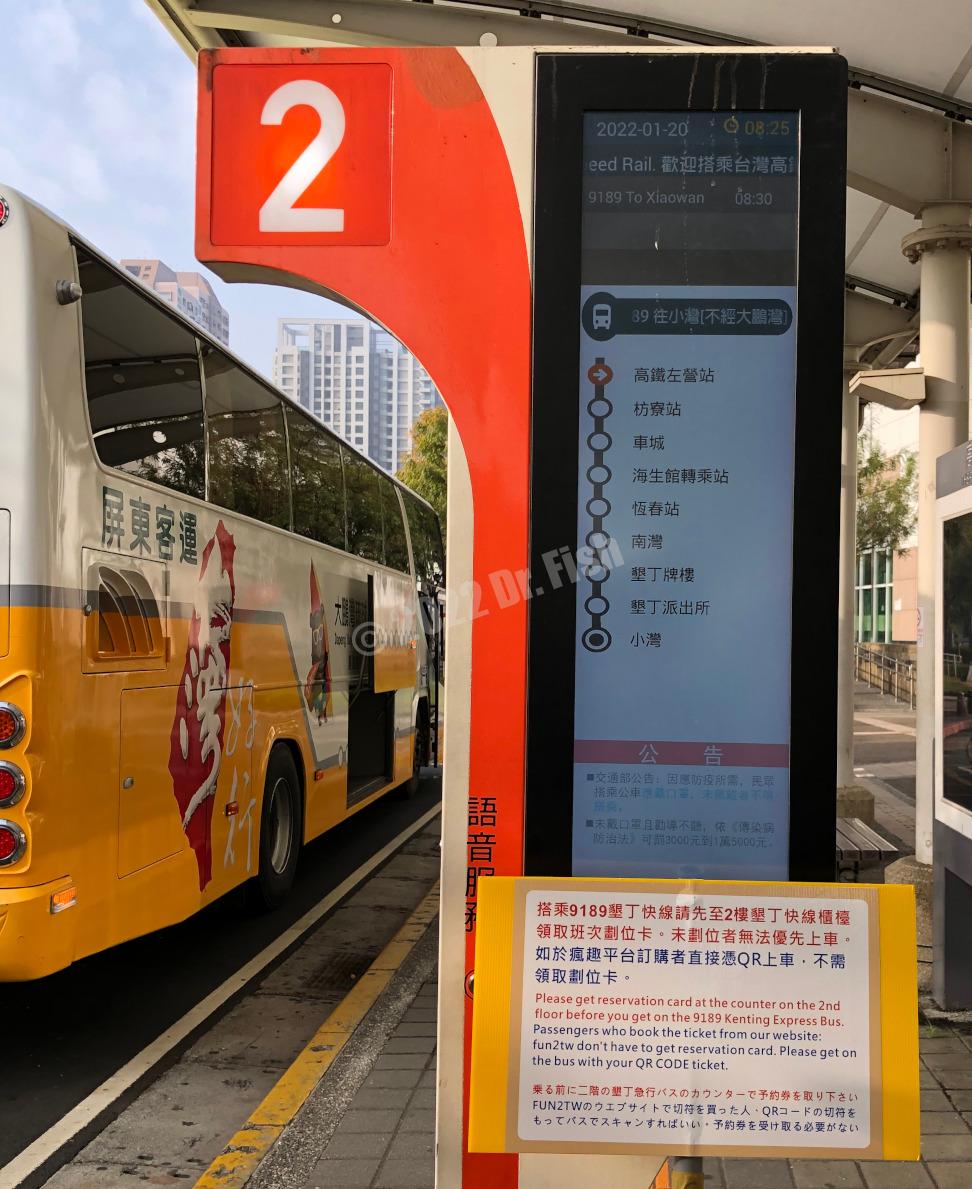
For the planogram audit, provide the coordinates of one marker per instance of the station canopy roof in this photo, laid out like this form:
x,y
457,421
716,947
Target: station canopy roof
x,y
910,102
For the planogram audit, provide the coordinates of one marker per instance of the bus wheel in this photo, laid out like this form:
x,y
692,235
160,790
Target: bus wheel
x,y
280,833
420,751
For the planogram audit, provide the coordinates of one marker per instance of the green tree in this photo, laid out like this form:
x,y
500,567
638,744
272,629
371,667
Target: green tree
x,y
424,470
887,508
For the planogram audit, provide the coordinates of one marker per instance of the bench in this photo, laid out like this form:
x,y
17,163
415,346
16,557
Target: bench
x,y
859,847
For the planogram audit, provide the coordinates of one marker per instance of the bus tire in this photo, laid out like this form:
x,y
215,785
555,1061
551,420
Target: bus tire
x,y
281,830
420,751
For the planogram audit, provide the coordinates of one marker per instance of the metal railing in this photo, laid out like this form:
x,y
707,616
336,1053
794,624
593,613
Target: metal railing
x,y
886,673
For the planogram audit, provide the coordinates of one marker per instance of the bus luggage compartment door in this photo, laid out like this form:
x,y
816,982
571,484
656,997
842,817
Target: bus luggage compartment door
x,y
149,821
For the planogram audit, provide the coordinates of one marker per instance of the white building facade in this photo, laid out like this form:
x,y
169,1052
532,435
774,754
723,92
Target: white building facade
x,y
189,292
358,379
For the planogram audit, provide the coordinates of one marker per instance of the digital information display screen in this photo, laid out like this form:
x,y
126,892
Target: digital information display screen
x,y
685,494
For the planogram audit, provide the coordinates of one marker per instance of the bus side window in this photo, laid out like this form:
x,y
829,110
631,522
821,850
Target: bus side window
x,y
363,497
141,376
318,481
248,470
396,548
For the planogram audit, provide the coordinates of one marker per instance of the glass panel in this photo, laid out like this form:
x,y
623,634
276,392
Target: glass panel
x,y
881,559
363,495
957,674
433,532
857,615
867,568
248,470
396,549
866,626
882,614
318,481
423,525
416,530
142,382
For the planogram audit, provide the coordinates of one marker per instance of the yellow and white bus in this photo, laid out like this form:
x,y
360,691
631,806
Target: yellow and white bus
x,y
212,646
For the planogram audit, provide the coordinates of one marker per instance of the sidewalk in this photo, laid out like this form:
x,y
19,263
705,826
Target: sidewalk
x,y
385,1137
946,1136
884,753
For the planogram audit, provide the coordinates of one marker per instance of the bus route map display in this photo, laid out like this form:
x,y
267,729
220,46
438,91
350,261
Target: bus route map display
x,y
685,494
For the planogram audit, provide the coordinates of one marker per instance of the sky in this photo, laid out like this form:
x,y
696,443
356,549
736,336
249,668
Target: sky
x,y
99,111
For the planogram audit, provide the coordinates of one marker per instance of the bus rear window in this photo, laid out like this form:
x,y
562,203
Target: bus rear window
x,y
142,383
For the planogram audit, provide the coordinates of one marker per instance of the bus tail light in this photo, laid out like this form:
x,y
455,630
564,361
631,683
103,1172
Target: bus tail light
x,y
13,842
65,898
12,784
12,724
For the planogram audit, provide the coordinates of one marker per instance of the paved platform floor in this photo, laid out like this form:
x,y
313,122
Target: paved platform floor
x,y
946,1136
385,1139
370,1121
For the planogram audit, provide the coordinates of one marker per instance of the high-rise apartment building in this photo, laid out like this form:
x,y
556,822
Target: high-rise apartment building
x,y
190,293
358,379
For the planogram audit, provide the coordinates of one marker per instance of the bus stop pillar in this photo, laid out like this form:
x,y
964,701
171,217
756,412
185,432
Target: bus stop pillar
x,y
942,245
687,1172
852,800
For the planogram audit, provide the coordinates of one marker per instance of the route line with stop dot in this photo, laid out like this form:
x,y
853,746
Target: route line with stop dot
x,y
597,638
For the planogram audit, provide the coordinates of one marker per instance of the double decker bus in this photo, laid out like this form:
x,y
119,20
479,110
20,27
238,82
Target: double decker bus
x,y
213,644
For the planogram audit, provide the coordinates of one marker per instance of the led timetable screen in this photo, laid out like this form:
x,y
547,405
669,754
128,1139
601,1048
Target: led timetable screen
x,y
685,494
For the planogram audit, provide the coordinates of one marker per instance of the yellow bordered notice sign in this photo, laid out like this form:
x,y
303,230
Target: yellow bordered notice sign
x,y
695,1017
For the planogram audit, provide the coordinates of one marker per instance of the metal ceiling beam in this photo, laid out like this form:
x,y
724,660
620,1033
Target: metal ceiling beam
x,y
898,153
190,37
392,22
905,155
459,23
876,329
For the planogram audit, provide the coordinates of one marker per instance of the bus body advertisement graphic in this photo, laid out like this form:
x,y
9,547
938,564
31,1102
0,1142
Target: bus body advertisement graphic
x,y
196,749
317,691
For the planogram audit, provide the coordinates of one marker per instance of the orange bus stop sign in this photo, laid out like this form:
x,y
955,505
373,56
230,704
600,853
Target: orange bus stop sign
x,y
313,150
380,176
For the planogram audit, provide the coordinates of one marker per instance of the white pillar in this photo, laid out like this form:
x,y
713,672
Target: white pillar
x,y
943,246
847,580
456,720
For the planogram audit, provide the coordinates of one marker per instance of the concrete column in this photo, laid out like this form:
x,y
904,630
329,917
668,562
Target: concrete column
x,y
852,799
942,245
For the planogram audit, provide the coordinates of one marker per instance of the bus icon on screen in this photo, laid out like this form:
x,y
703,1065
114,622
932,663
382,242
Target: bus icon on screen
x,y
601,317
